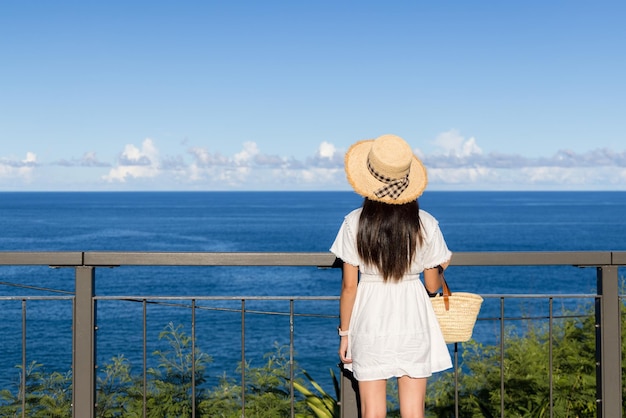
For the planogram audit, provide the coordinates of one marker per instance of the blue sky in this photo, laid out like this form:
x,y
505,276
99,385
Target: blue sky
x,y
268,95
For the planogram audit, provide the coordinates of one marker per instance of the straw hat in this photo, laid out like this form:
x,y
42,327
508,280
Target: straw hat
x,y
385,169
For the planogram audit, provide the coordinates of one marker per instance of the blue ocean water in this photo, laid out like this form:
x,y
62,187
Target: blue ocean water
x,y
268,222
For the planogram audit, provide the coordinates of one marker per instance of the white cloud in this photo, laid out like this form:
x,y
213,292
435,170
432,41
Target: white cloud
x,y
466,175
11,168
232,176
620,177
321,175
458,164
216,170
89,159
311,178
31,158
250,150
572,176
327,156
326,150
135,163
147,155
454,144
203,158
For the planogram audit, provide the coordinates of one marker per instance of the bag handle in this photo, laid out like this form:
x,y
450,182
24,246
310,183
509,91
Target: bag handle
x,y
446,289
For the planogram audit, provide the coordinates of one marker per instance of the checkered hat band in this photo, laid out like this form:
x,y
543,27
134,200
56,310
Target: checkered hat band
x,y
393,187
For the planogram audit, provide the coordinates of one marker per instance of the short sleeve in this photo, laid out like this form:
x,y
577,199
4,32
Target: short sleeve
x,y
344,246
435,250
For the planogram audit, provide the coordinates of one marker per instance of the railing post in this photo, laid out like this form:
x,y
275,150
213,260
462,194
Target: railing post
x,y
84,350
349,396
608,344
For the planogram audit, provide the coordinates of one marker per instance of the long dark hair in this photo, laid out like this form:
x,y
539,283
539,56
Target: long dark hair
x,y
388,236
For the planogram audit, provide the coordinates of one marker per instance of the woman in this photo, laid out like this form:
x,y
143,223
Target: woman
x,y
387,324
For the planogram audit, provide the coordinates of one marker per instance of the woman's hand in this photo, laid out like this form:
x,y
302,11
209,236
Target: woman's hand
x,y
343,350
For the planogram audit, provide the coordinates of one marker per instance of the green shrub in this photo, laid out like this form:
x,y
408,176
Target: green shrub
x,y
526,374
47,394
120,392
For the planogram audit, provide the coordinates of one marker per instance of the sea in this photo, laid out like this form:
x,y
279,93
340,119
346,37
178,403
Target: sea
x,y
471,221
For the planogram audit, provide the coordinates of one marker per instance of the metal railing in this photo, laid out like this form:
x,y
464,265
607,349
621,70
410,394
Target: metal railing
x,y
85,264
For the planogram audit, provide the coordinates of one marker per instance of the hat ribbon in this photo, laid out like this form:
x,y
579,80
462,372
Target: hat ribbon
x,y
394,186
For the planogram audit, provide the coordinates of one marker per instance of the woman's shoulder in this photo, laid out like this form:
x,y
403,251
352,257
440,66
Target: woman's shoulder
x,y
355,214
427,217
428,221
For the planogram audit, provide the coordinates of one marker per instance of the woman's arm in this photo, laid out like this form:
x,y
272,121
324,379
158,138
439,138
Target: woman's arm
x,y
432,279
349,282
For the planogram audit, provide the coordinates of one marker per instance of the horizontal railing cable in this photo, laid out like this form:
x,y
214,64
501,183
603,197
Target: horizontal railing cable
x,y
30,287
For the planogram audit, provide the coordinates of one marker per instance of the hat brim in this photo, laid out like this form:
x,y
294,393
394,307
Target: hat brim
x,y
366,185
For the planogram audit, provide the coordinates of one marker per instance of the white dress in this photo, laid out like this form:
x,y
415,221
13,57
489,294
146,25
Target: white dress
x,y
393,329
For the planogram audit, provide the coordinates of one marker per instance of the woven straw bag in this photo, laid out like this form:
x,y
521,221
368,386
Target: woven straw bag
x,y
456,313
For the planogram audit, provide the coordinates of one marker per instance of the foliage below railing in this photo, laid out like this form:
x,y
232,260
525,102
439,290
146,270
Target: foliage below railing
x,y
526,373
120,393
